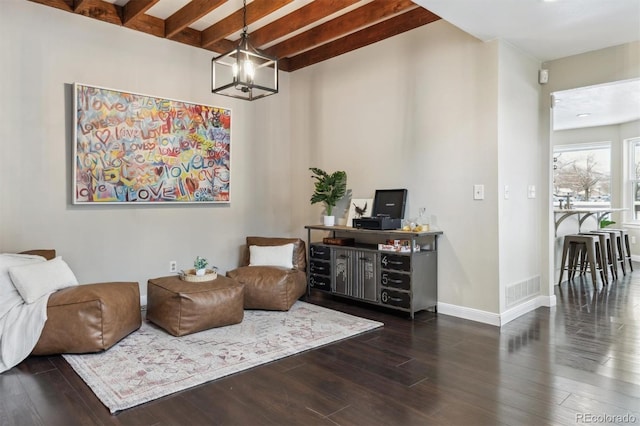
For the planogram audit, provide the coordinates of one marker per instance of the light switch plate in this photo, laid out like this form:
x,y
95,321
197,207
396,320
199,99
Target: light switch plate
x,y
531,191
478,192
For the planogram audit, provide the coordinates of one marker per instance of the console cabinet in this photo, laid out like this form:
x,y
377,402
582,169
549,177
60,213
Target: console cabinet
x,y
401,281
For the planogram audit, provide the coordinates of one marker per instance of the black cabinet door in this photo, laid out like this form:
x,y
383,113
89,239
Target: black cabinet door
x,y
317,267
320,282
395,298
395,280
396,262
319,252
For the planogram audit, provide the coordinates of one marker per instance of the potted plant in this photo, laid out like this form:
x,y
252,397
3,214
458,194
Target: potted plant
x,y
200,265
329,189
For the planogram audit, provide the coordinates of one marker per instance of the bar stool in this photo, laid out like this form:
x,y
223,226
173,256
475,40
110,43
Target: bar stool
x,y
624,244
607,260
576,246
617,247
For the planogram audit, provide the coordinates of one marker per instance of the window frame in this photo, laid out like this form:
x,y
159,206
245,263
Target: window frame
x,y
631,180
585,146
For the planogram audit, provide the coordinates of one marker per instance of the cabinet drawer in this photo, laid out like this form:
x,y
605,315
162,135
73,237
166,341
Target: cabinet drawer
x,y
320,252
317,267
320,282
395,261
395,280
395,298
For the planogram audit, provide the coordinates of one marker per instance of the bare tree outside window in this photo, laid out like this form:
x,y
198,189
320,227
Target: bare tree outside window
x,y
583,176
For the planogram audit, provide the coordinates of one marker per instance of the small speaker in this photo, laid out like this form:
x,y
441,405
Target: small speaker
x,y
543,76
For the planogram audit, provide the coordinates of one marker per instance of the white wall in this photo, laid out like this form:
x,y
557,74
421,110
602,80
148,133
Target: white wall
x,y
417,111
519,154
44,51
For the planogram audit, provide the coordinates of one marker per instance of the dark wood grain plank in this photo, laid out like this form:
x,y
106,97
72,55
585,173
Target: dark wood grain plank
x,y
133,9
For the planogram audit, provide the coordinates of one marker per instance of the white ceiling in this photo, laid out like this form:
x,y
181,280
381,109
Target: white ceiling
x,y
546,29
556,29
600,105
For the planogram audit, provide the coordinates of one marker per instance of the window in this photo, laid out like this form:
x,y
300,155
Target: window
x,y
634,174
582,175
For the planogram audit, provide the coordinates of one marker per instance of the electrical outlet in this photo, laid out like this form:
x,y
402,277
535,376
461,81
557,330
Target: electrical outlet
x,y
506,192
633,239
173,266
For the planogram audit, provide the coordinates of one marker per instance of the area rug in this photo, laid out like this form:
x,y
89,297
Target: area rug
x,y
150,363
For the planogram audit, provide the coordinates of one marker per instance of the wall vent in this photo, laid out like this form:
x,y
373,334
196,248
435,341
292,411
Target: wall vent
x,y
519,292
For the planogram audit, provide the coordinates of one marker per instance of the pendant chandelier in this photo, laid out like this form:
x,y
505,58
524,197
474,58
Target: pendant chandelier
x,y
245,72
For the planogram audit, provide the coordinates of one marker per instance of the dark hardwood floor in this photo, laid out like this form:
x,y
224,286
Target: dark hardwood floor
x,y
577,363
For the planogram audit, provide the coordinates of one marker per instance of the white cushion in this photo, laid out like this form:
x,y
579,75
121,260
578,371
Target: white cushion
x,y
35,280
271,256
9,296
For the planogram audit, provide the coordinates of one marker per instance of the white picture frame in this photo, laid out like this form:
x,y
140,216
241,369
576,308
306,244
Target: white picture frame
x,y
359,207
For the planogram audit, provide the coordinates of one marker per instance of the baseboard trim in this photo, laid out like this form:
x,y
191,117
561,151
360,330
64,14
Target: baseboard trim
x,y
143,301
469,313
493,318
635,258
526,307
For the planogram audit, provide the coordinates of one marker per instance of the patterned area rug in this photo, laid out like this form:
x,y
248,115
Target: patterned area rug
x,y
150,363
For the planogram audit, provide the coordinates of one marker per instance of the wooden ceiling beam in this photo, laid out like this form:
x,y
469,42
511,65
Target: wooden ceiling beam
x,y
135,9
297,19
98,9
189,14
256,10
385,29
147,24
355,20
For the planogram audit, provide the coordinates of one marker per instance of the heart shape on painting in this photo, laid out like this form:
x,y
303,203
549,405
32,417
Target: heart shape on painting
x,y
103,135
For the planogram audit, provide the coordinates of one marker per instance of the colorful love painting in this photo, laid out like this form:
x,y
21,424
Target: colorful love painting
x,y
132,148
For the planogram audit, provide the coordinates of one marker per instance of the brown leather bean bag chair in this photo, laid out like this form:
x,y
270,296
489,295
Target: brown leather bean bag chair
x,y
272,287
88,318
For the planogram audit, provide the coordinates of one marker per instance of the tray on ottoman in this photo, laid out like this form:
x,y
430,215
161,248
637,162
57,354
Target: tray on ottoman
x,y
182,307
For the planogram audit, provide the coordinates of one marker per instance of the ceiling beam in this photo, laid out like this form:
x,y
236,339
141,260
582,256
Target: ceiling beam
x,y
98,9
389,28
256,10
134,9
297,19
189,14
340,26
147,24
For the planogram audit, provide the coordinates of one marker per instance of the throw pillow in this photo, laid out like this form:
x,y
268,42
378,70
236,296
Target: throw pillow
x,y
9,296
35,280
271,256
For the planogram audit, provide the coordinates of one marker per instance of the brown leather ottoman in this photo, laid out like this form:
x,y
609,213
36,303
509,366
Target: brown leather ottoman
x,y
183,307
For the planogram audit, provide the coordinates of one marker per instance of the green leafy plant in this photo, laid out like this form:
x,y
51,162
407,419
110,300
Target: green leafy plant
x,y
604,223
329,188
200,263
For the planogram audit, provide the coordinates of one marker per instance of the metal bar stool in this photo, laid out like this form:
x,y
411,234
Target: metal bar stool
x,y
606,254
624,244
574,247
617,251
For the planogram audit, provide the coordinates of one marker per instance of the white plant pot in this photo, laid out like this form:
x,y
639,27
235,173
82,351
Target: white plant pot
x,y
201,272
329,220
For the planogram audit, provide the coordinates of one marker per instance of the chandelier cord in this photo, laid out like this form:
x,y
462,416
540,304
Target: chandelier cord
x,y
244,17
